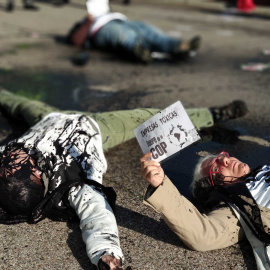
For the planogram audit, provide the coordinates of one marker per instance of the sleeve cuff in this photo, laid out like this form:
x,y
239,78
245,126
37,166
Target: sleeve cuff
x,y
153,197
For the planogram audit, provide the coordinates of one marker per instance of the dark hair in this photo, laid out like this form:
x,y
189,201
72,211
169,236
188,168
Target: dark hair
x,y
19,196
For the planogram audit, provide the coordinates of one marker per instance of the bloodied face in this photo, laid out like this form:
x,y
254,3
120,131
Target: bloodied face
x,y
229,168
19,164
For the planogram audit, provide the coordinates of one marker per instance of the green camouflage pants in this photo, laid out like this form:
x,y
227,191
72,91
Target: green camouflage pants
x,y
116,126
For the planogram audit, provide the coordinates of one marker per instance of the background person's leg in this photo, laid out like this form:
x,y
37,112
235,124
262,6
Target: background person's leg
x,y
154,39
115,36
20,107
120,37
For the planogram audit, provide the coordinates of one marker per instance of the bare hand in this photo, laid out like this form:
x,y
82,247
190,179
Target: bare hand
x,y
151,170
107,262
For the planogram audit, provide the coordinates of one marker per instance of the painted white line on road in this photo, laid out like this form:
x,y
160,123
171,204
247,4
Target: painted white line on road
x,y
256,140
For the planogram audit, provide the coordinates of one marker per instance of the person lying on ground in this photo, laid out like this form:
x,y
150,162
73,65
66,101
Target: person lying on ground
x,y
54,170
232,199
135,40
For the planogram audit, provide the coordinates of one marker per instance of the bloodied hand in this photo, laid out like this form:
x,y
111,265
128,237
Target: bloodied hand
x,y
108,262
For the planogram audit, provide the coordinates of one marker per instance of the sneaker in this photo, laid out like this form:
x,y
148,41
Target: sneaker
x,y
188,48
142,54
233,110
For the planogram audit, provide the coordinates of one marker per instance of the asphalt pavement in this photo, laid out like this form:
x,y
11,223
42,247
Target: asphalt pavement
x,y
34,63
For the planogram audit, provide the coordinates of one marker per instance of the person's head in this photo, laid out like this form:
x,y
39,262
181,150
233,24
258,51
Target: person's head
x,y
21,187
218,170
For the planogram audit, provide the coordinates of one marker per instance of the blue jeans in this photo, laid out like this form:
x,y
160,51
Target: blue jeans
x,y
122,36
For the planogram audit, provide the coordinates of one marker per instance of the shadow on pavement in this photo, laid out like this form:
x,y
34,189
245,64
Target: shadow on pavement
x,y
145,225
77,246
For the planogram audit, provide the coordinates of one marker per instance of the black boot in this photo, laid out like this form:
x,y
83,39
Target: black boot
x,y
220,135
233,110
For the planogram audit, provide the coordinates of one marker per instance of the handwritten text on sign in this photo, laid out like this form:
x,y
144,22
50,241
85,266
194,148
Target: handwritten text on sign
x,y
167,132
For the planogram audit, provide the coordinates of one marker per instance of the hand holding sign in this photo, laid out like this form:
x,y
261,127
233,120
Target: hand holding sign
x,y
151,170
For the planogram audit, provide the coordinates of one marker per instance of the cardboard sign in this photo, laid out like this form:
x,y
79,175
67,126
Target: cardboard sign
x,y
167,132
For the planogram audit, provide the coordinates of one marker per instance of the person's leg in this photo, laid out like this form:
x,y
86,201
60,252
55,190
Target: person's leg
x,y
23,108
153,38
115,35
117,127
118,36
200,117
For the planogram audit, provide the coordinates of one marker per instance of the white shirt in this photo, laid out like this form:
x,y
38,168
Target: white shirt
x,y
79,138
97,7
100,10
